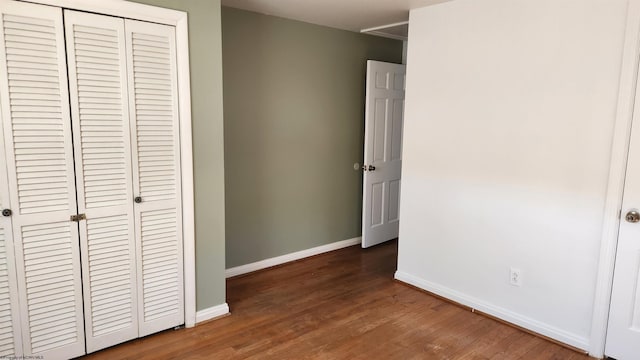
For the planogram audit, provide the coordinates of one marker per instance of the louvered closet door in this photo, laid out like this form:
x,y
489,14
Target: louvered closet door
x,y
37,133
156,163
100,118
10,330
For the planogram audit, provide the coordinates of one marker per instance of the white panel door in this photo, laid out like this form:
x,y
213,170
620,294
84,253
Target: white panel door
x,y
100,116
623,331
35,114
10,329
382,152
156,163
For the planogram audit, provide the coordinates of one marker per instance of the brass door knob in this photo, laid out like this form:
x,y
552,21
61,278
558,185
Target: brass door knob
x,y
633,216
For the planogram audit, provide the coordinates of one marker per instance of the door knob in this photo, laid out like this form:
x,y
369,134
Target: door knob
x,y
137,199
7,212
633,216
371,168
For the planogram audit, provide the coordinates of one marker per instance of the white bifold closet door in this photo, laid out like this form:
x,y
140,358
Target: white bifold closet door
x,y
153,107
96,61
92,131
126,136
39,160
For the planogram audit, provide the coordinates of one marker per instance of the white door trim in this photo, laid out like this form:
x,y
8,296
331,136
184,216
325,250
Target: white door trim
x,y
178,19
615,187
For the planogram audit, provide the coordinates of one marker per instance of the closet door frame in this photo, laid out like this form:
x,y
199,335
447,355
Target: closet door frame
x,y
178,19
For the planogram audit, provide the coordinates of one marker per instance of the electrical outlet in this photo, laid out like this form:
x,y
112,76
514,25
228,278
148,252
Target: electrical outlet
x,y
515,277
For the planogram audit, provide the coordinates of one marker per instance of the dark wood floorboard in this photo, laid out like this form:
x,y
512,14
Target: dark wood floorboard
x,y
340,305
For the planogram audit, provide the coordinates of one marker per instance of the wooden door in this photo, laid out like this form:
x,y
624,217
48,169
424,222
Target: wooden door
x,y
382,152
39,155
156,178
96,58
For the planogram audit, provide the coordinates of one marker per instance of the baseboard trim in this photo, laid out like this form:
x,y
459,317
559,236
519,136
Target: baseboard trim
x,y
279,260
212,313
509,316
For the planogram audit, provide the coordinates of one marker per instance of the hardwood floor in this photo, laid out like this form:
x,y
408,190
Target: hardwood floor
x,y
340,305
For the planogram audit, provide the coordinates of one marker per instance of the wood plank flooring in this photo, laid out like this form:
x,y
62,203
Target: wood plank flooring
x,y
340,305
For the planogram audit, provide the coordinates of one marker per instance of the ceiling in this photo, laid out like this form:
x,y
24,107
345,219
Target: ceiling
x,y
354,15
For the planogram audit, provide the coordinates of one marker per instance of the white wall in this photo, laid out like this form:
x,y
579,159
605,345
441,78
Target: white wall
x,y
510,107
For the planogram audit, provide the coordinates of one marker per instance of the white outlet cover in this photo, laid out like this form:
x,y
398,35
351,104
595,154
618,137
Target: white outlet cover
x,y
515,277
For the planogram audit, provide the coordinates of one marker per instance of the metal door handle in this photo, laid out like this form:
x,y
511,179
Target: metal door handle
x,y
137,199
7,212
78,218
633,216
372,168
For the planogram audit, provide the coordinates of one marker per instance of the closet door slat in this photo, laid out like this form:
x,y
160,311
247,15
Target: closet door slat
x,y
156,162
104,177
36,123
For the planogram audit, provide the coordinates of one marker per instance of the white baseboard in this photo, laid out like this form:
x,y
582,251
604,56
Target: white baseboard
x,y
212,312
263,264
541,328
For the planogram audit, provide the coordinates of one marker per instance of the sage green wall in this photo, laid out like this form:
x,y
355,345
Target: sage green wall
x,y
206,106
294,126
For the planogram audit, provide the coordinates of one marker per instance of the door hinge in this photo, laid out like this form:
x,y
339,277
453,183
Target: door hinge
x,y
78,217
